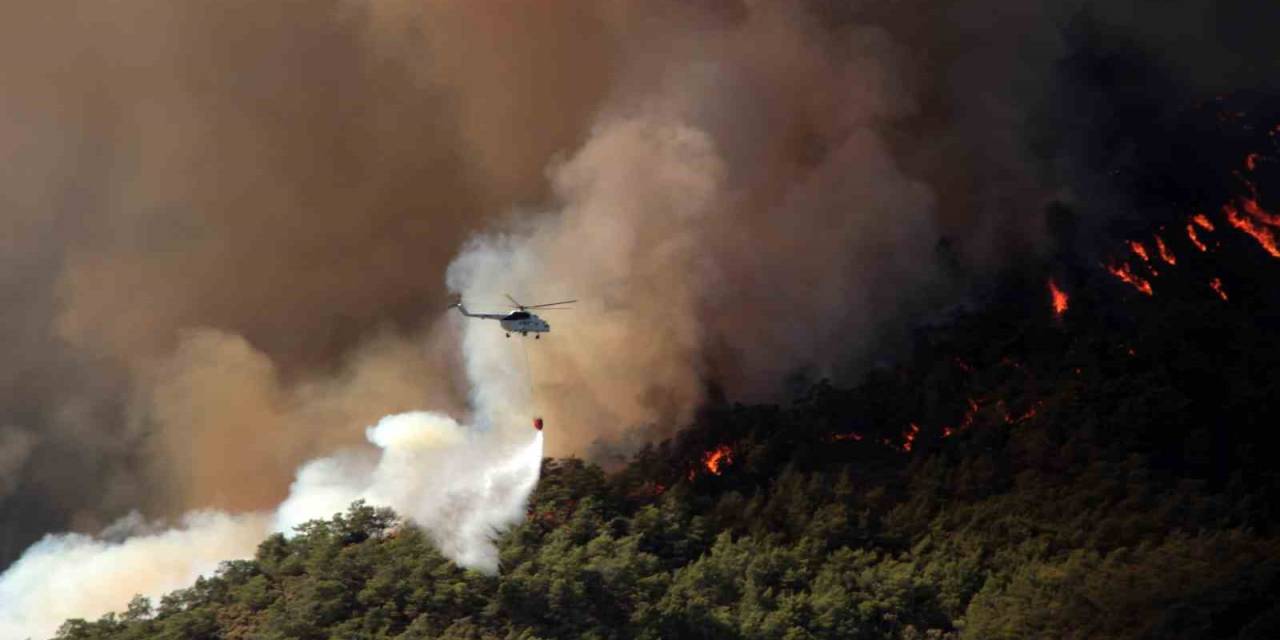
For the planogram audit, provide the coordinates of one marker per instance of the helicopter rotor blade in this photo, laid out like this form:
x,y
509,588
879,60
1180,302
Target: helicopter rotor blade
x,y
550,304
513,301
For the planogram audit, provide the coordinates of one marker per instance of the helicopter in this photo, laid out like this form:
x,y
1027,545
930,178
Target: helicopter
x,y
518,320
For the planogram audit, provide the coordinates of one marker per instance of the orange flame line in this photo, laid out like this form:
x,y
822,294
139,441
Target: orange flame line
x,y
1203,221
1023,417
1140,249
1195,239
967,421
1255,210
1165,253
1216,283
1126,275
1261,234
909,436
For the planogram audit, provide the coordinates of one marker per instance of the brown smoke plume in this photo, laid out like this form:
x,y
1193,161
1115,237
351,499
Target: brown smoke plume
x,y
735,190
227,224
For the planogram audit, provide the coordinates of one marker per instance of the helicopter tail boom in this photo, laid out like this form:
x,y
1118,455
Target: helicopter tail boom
x,y
463,309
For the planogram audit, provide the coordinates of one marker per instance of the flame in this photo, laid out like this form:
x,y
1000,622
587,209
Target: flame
x,y
1251,161
1195,239
1256,211
1259,233
852,435
967,421
1216,283
1126,275
1139,249
1165,253
1202,221
1023,417
909,437
970,415
716,459
1059,298
964,366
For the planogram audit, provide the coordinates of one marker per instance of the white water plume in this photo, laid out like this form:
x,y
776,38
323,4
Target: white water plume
x,y
462,484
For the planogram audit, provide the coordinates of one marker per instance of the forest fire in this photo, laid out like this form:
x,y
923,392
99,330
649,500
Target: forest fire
x,y
1020,418
1139,250
1251,161
1255,210
909,437
1165,253
1202,221
971,414
1262,234
1059,299
1126,275
966,422
1216,284
1195,239
716,459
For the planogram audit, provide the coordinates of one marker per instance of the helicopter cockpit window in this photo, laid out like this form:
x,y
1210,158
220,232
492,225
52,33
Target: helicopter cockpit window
x,y
518,315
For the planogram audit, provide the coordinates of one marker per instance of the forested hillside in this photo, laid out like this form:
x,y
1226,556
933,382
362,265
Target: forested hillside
x,y
1098,474
1080,452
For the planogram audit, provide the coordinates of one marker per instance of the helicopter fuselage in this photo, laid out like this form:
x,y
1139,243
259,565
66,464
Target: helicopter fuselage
x,y
523,322
514,321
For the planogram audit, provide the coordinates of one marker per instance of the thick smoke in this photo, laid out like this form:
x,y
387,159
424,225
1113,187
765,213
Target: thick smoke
x,y
776,232
78,576
15,446
226,224
462,485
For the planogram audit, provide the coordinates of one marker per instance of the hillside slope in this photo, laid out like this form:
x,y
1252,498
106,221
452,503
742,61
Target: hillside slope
x,y
1097,475
1099,469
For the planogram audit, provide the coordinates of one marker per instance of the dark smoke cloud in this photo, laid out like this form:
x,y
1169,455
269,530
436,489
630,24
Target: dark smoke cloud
x,y
226,225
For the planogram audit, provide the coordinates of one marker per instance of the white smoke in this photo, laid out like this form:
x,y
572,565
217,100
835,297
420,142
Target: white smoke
x,y
77,576
462,484
459,484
